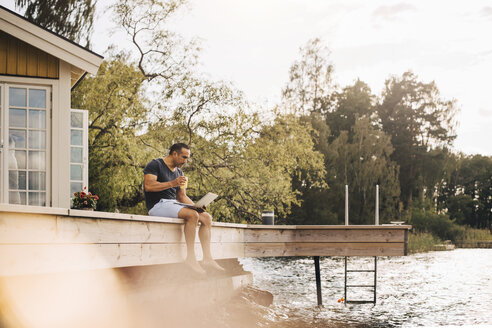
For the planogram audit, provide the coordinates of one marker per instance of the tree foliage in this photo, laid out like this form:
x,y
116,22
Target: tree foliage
x,y
161,55
362,164
117,112
72,19
467,191
138,110
356,152
298,161
418,121
310,80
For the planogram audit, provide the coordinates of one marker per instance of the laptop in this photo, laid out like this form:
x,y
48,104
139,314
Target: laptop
x,y
204,201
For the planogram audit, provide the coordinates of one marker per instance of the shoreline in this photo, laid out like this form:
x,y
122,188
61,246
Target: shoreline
x,y
422,242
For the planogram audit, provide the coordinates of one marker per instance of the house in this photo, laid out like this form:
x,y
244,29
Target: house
x,y
43,142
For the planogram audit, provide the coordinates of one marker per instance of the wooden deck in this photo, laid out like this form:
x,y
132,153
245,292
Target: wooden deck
x,y
36,240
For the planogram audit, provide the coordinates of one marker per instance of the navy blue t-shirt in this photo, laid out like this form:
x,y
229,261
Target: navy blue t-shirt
x,y
158,168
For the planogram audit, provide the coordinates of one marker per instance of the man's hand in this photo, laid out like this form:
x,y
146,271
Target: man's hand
x,y
179,181
200,209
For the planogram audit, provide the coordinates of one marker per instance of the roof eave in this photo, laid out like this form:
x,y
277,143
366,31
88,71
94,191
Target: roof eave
x,y
49,42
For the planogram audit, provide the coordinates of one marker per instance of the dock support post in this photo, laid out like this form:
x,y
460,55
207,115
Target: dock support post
x,y
375,276
318,280
345,283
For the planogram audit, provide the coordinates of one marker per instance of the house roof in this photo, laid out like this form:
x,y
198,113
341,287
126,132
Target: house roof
x,y
82,59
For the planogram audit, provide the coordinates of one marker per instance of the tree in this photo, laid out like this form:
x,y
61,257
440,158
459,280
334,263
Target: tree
x,y
72,19
117,114
162,56
310,81
418,120
352,102
247,163
361,164
467,192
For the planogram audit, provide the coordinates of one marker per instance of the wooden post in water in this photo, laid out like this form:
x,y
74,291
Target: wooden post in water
x,y
318,280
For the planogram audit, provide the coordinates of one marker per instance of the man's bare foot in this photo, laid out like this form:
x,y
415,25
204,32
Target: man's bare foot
x,y
211,265
195,267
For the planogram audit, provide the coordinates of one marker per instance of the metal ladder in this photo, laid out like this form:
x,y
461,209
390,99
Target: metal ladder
x,y
373,301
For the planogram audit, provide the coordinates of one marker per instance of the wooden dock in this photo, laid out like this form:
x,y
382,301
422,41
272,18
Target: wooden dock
x,y
36,240
118,270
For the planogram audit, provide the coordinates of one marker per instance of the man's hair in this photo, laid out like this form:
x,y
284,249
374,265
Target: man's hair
x,y
177,147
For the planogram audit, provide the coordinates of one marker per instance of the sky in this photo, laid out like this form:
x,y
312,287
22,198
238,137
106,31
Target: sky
x,y
252,43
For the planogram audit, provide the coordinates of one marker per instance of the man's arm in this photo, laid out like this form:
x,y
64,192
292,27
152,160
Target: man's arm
x,y
152,185
183,198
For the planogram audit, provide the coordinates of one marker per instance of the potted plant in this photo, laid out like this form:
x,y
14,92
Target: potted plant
x,y
83,200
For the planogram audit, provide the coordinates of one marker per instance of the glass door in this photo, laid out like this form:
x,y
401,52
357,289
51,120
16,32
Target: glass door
x,y
27,148
79,155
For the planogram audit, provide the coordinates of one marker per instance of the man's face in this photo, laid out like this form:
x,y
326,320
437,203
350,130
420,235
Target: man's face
x,y
180,158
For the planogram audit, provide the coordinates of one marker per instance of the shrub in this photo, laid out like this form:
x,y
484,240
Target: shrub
x,y
437,224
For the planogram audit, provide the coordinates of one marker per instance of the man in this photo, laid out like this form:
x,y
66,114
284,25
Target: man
x,y
164,186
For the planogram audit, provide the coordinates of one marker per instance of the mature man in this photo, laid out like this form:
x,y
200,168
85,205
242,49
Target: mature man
x,y
164,185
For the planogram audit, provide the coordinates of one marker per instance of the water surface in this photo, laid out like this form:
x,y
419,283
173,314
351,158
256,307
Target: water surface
x,y
434,289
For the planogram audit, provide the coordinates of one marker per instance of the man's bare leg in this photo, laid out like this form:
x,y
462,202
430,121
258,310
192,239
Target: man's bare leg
x,y
205,237
191,221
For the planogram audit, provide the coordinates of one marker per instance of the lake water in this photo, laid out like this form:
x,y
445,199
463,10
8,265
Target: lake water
x,y
437,289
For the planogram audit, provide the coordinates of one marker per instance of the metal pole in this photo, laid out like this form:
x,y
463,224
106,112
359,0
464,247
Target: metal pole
x,y
346,205
377,205
318,280
375,276
345,288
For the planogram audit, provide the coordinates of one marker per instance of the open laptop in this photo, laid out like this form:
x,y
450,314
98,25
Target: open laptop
x,y
204,201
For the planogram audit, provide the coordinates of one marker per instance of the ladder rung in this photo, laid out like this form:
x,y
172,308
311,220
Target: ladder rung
x,y
361,271
372,286
359,302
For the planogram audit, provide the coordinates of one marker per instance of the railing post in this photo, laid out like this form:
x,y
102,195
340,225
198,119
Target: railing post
x,y
377,206
346,206
318,280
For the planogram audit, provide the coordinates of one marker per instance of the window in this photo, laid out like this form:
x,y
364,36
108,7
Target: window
x,y
24,127
78,150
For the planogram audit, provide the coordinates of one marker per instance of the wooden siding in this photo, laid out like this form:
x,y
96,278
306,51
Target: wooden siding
x,y
21,59
33,243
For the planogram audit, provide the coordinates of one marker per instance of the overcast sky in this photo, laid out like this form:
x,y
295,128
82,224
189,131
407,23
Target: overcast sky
x,y
253,43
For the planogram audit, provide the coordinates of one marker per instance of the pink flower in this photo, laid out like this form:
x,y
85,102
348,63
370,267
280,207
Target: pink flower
x,y
85,202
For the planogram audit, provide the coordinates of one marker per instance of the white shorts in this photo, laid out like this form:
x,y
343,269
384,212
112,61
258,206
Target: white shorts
x,y
168,208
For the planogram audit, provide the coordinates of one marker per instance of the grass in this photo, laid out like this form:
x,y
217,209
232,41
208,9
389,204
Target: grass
x,y
420,242
473,235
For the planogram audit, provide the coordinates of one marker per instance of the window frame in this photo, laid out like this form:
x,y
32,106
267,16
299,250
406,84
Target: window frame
x,y
85,148
4,131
